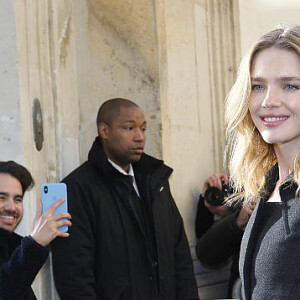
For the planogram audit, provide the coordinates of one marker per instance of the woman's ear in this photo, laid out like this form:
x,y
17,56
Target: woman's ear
x,y
103,130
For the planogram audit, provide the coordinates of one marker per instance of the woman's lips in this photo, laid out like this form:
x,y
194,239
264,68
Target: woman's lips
x,y
272,121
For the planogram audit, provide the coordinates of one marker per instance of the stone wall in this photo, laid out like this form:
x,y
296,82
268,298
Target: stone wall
x,y
10,125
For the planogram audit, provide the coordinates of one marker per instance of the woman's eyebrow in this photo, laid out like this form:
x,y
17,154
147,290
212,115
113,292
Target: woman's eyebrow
x,y
257,79
288,78
281,78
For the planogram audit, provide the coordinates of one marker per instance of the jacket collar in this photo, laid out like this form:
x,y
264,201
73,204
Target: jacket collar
x,y
287,189
146,165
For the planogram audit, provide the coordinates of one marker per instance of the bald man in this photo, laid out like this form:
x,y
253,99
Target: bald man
x,y
127,240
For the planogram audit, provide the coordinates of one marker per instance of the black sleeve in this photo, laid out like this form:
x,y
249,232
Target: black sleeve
x,y
220,241
19,269
74,257
204,218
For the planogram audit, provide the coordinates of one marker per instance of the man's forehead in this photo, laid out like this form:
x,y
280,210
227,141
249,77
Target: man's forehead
x,y
130,113
10,184
129,108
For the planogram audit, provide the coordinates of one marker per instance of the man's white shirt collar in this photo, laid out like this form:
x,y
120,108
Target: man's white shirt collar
x,y
130,172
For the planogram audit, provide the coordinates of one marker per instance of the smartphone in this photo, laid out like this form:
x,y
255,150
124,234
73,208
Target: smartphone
x,y
51,193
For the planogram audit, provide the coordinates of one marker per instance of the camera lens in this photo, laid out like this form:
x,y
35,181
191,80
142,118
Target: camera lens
x,y
45,189
214,196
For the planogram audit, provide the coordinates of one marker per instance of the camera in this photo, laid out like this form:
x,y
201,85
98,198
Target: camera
x,y
215,196
45,189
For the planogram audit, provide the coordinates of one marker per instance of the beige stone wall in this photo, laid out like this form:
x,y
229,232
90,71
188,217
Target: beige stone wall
x,y
46,72
198,53
260,16
10,136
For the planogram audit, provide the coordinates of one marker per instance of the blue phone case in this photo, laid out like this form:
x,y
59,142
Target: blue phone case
x,y
52,192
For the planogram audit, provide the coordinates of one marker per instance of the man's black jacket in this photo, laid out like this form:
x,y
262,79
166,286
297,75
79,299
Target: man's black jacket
x,y
107,255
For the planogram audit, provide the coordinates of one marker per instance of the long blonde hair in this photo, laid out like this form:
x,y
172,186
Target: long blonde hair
x,y
248,156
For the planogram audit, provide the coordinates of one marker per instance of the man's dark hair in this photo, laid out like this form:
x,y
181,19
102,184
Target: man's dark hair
x,y
19,172
110,109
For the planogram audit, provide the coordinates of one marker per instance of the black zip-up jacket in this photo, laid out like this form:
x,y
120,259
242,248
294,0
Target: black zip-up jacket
x,y
20,261
110,255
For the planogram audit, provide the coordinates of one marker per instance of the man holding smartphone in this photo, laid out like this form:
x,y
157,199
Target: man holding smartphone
x,y
127,240
22,258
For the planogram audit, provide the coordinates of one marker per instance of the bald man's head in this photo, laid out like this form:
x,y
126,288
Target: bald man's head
x,y
110,110
121,127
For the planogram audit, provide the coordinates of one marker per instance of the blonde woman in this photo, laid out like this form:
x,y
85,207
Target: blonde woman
x,y
263,133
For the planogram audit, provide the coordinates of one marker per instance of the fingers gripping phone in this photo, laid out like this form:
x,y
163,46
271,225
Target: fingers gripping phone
x,y
51,193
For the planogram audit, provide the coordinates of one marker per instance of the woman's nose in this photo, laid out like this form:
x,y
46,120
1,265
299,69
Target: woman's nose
x,y
272,99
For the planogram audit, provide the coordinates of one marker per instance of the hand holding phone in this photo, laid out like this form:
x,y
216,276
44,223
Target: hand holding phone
x,y
52,218
47,224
